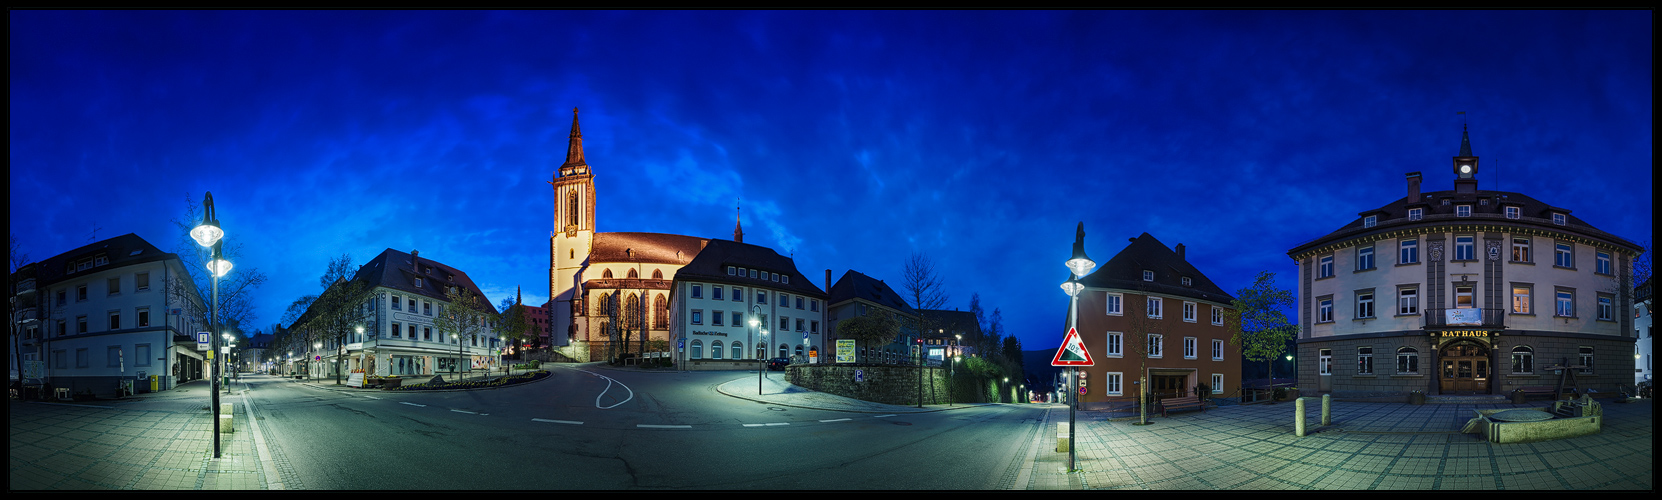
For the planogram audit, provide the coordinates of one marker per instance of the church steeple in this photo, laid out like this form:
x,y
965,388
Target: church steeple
x,y
738,226
574,150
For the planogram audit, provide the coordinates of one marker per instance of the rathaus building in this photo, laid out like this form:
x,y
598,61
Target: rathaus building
x,y
1463,291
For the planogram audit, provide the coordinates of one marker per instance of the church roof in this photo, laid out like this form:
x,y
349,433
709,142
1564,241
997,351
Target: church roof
x,y
650,248
1125,272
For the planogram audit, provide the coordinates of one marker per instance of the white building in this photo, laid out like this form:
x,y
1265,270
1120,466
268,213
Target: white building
x,y
717,295
399,334
115,310
1463,291
1642,307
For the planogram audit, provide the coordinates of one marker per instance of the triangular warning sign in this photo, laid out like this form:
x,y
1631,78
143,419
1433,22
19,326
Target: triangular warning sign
x,y
1073,352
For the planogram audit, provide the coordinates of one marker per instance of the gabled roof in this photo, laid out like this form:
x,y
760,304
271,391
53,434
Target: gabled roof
x,y
712,262
1125,272
651,248
397,270
854,285
124,250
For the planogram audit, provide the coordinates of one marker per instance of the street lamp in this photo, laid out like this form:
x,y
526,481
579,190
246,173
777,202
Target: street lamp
x,y
1079,265
209,234
755,314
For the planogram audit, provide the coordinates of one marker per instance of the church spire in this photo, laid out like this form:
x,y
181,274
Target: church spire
x,y
1465,142
574,150
738,226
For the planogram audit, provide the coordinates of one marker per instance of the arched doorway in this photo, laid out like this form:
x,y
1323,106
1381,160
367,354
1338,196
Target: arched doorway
x,y
1465,368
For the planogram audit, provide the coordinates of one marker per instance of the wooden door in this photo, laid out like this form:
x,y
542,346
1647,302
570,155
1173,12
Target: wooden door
x,y
1465,368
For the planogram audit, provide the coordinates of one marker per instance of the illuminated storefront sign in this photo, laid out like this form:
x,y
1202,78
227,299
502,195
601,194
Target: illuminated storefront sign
x,y
1464,333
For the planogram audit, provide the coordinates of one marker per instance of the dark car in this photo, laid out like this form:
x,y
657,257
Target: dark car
x,y
778,364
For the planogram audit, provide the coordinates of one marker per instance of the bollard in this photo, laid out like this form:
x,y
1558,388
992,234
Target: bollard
x,y
225,418
1061,437
1298,417
1327,410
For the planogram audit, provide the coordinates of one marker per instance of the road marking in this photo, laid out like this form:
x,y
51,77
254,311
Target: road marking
x,y
753,425
372,397
465,411
556,421
411,404
650,426
838,420
609,382
881,416
777,424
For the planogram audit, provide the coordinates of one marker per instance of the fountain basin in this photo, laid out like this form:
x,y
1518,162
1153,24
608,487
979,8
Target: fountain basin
x,y
1528,425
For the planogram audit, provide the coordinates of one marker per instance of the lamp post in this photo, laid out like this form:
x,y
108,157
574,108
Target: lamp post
x,y
755,322
1079,265
208,234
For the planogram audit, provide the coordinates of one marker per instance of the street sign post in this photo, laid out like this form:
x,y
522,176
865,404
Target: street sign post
x,y
1072,352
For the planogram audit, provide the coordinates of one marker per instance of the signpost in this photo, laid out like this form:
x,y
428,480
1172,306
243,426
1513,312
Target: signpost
x,y
1072,355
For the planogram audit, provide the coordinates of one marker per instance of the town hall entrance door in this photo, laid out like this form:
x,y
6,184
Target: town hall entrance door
x,y
1465,368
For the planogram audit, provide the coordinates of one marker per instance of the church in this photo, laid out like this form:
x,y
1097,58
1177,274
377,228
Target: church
x,y
609,292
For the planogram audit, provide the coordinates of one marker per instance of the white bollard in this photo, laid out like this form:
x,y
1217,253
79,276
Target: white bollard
x,y
1298,419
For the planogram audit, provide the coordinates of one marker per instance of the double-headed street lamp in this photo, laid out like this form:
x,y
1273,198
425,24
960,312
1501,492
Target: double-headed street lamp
x,y
208,234
1080,265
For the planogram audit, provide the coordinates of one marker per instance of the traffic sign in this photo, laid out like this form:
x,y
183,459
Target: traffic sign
x,y
1072,352
202,341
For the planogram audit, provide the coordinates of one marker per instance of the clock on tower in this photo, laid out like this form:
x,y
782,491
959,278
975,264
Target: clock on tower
x,y
1465,165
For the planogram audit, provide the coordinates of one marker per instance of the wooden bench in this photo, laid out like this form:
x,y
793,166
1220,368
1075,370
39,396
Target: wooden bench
x,y
1188,403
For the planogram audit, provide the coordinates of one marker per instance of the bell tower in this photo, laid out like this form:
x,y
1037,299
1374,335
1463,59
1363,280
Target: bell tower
x,y
1465,165
574,230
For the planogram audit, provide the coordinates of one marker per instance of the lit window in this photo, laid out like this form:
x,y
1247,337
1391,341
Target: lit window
x,y
1520,250
1520,299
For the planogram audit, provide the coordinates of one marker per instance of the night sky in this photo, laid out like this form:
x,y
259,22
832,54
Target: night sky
x,y
853,138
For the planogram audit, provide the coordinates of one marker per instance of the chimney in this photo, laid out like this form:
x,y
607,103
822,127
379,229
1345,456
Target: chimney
x,y
1413,187
827,281
1180,253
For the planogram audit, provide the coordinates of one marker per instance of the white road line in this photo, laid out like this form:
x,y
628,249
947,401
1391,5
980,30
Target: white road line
x,y
411,404
372,397
881,416
777,424
838,420
650,426
609,382
465,411
754,425
556,421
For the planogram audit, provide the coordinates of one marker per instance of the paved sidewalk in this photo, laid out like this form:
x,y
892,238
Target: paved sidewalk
x,y
1369,446
153,441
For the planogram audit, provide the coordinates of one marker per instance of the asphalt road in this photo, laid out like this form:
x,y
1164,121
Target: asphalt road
x,y
591,428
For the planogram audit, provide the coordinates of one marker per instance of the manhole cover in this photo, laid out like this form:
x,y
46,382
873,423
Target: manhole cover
x,y
1521,416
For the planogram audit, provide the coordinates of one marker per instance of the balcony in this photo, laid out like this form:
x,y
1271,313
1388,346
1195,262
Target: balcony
x,y
1465,317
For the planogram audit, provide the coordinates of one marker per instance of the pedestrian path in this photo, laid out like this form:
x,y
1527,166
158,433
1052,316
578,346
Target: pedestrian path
x,y
155,441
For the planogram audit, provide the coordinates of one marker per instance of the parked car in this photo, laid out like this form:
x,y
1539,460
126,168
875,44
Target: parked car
x,y
778,364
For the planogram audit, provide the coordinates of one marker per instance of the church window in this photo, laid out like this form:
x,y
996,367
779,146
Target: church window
x,y
657,274
607,274
633,274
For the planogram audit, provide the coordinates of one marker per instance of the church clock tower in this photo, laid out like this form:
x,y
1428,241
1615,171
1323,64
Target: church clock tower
x,y
574,231
1465,166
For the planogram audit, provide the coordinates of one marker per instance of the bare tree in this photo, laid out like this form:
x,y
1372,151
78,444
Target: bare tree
x,y
15,308
926,290
465,317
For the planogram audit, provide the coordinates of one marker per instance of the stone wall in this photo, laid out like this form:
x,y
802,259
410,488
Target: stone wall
x,y
897,385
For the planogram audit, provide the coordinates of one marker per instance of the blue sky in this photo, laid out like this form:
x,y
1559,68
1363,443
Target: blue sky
x,y
853,138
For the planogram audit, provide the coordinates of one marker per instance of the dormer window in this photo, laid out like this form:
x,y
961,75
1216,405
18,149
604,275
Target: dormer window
x,y
1558,218
1463,211
1370,221
1416,214
1445,202
418,282
1187,281
731,270
1484,201
1513,212
1148,275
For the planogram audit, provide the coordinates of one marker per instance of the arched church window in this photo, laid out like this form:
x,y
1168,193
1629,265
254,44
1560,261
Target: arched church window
x,y
661,309
633,274
657,274
607,274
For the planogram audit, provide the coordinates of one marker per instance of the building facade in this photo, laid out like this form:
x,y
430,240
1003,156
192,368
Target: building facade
x,y
1148,314
606,286
397,332
856,294
1465,291
717,296
1643,306
112,311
